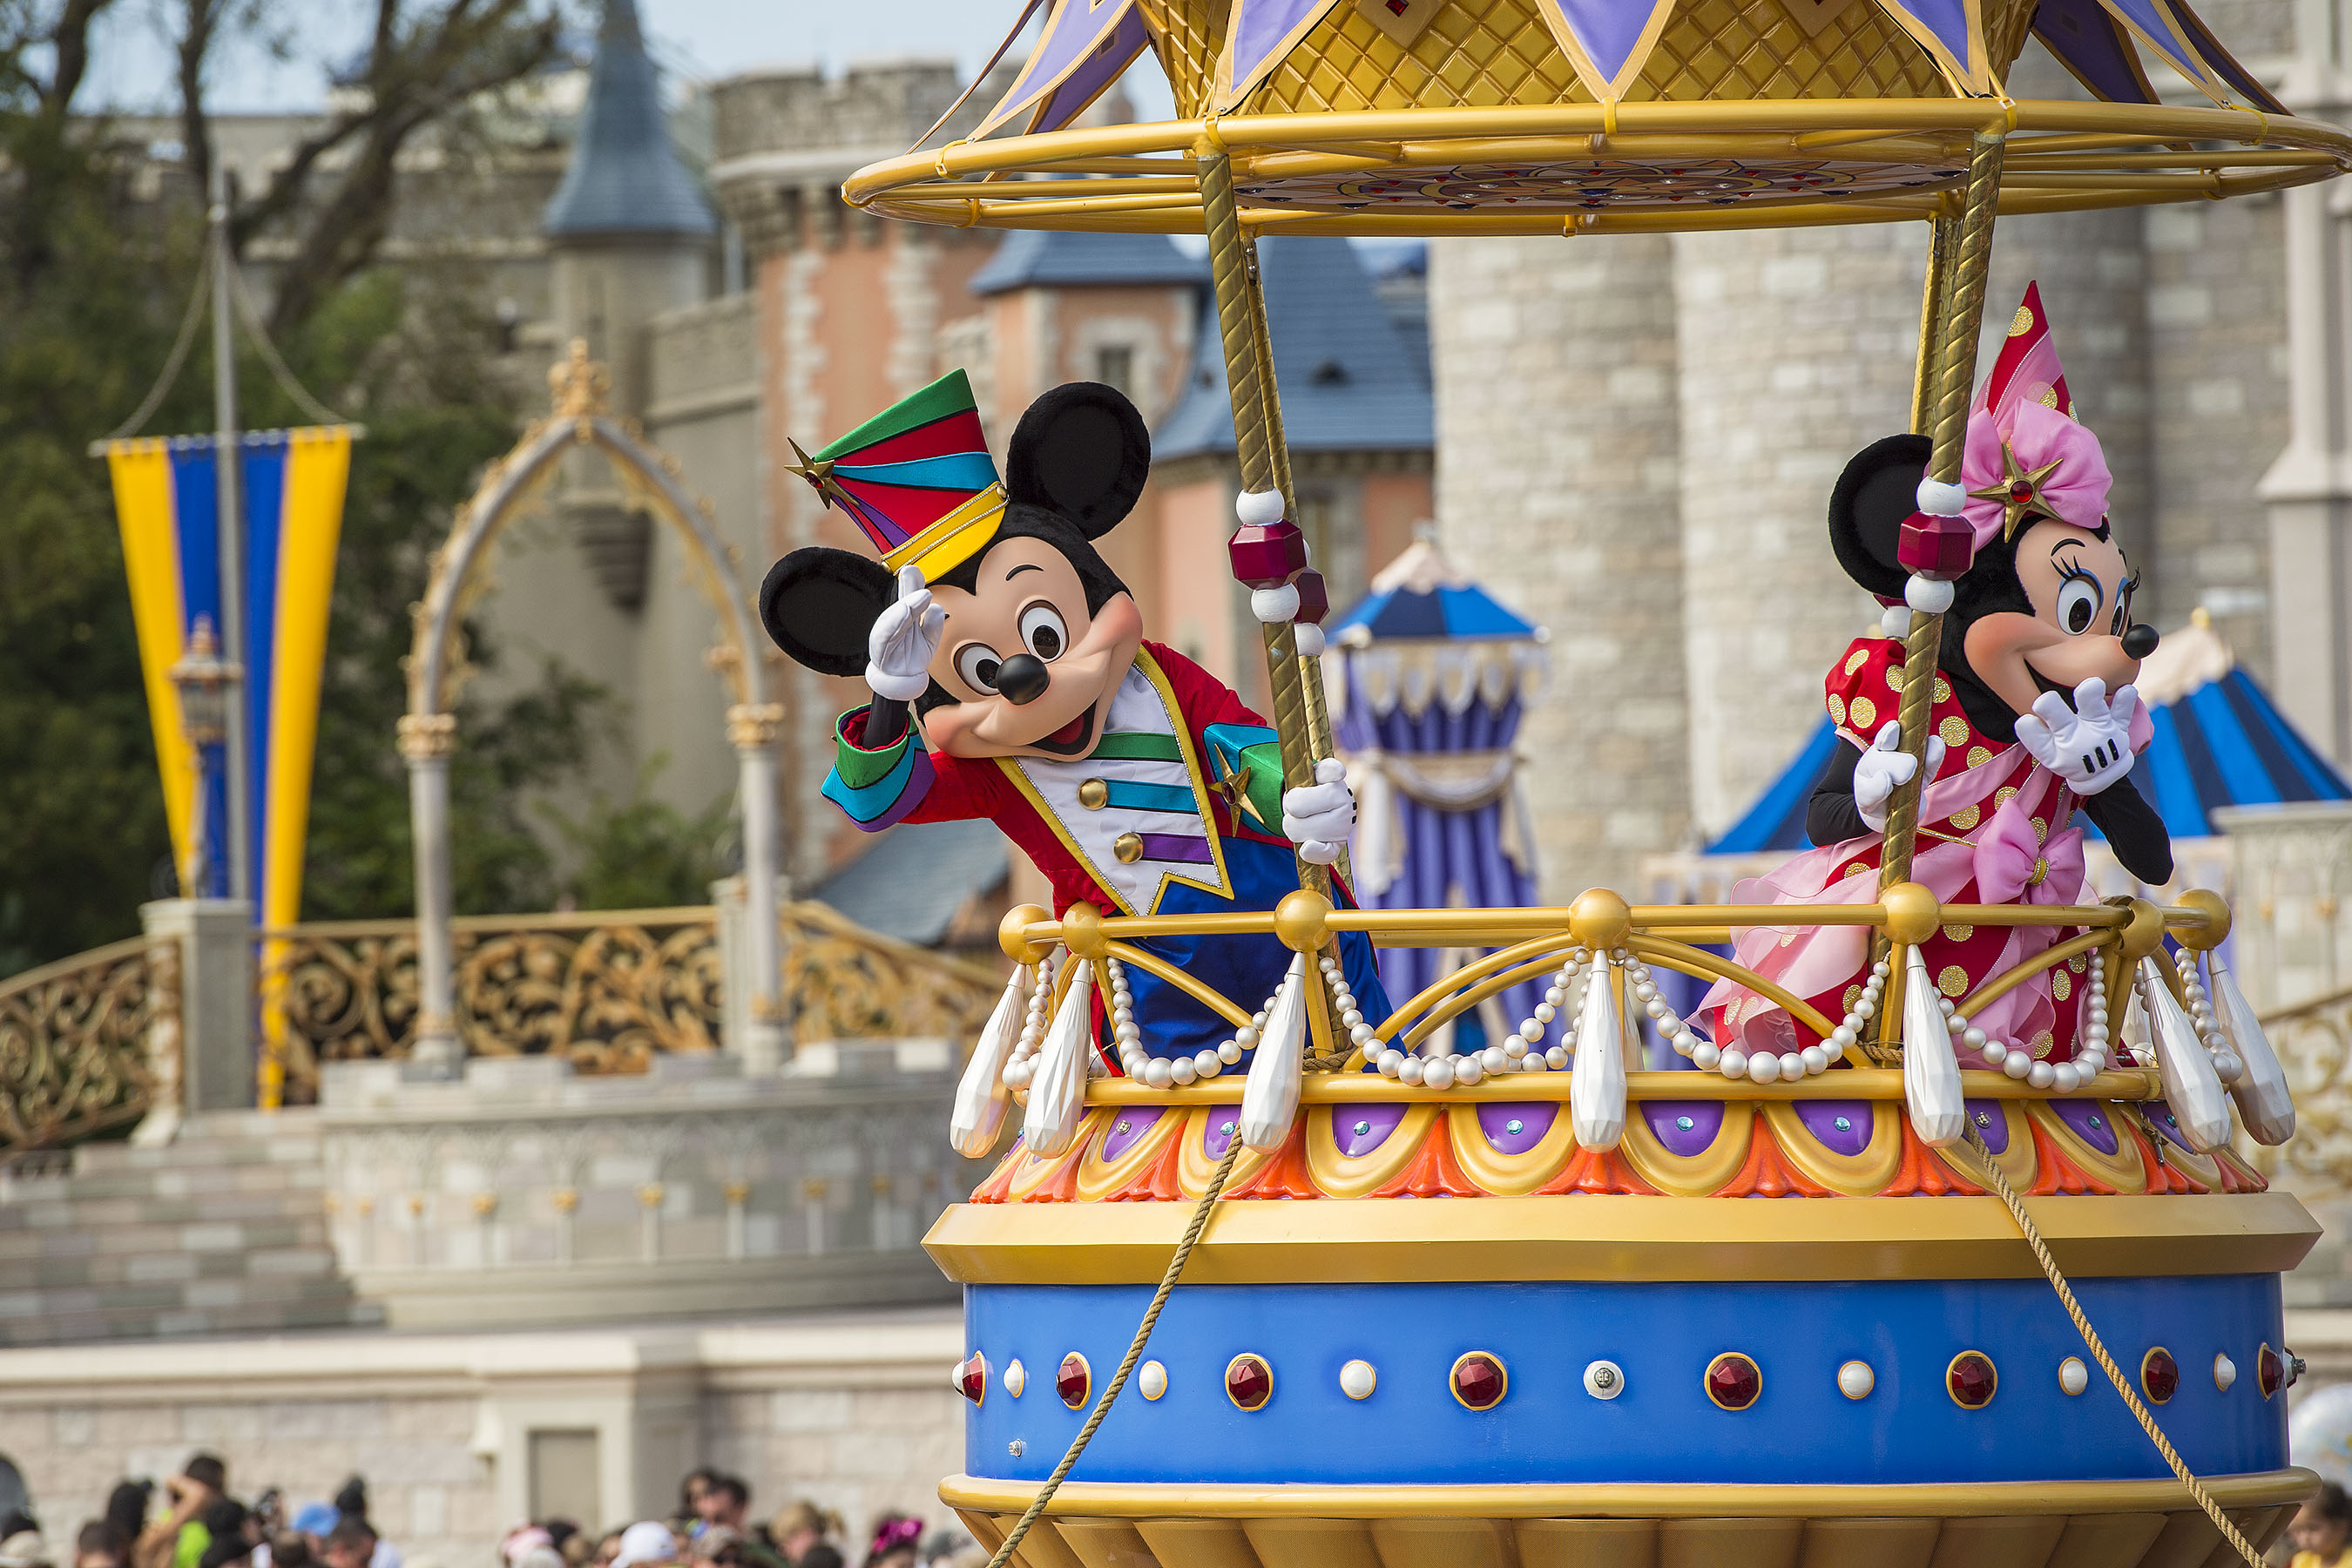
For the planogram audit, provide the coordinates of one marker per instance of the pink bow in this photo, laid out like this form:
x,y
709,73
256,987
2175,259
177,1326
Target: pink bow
x,y
2075,492
2014,865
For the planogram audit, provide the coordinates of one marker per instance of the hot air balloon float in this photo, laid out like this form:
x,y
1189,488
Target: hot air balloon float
x,y
1938,1248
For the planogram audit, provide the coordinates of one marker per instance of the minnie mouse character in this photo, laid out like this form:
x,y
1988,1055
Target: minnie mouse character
x,y
2033,717
1134,779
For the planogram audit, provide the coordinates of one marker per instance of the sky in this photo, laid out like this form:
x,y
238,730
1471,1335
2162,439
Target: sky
x,y
695,41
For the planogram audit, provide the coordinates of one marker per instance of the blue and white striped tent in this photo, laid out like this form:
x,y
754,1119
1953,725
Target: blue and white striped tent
x,y
2219,741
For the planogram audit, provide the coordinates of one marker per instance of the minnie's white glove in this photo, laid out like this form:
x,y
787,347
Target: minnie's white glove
x,y
1884,768
2089,744
1317,817
899,649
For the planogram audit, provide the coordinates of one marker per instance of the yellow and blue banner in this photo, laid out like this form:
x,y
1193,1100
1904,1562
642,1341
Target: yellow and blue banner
x,y
166,500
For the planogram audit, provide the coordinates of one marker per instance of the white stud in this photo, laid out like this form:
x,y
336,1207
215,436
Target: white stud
x,y
1016,1377
1357,1380
1152,1380
1855,1380
2225,1370
1604,1380
2073,1375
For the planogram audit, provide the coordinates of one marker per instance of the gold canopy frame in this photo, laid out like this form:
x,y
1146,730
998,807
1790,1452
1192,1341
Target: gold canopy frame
x,y
1585,168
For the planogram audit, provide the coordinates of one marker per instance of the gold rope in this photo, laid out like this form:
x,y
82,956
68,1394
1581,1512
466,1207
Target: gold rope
x,y
1999,1184
1134,1351
1955,359
1248,375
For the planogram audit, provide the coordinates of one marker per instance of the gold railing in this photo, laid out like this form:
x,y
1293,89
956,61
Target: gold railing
x,y
1526,942
84,1040
607,989
844,982
2314,1041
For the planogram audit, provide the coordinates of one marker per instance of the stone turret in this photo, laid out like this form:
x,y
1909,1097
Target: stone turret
x,y
631,235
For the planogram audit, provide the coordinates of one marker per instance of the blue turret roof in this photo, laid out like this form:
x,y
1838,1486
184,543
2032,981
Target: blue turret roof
x,y
1349,382
624,175
1049,258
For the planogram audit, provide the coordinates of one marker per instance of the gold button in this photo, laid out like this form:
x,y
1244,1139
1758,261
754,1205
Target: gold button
x,y
1127,846
1094,795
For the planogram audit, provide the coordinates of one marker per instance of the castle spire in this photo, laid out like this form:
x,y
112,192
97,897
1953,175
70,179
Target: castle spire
x,y
624,176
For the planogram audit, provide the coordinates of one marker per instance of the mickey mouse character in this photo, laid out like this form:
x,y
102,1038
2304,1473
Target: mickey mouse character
x,y
1135,780
2033,717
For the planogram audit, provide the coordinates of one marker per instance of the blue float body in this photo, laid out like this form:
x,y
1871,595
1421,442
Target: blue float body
x,y
1662,1428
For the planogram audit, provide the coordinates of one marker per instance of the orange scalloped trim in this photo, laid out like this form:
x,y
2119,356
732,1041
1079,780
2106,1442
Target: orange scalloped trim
x,y
1286,1175
1596,1171
1925,1173
2056,1175
1767,1173
1158,1182
1061,1186
1433,1172
2163,1175
2237,1176
999,1185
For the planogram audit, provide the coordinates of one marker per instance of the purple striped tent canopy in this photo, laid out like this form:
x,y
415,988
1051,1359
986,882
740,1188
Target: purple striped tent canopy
x,y
1085,45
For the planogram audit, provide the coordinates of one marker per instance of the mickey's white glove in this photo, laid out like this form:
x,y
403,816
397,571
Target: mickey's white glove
x,y
1884,768
899,649
1317,817
2089,744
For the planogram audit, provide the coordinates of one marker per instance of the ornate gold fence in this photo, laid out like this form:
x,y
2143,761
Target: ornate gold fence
x,y
607,989
84,1041
2314,1040
844,982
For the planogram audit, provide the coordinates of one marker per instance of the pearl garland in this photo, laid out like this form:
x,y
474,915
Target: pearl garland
x,y
2228,1066
1019,1068
1769,1066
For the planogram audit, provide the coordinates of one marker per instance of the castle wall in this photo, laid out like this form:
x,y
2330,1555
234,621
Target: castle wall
x,y
1558,484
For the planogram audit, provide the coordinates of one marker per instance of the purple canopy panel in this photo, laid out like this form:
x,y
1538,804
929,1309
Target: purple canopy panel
x,y
2222,63
1952,33
1261,32
2151,23
2095,48
1608,41
1450,856
1076,31
1095,73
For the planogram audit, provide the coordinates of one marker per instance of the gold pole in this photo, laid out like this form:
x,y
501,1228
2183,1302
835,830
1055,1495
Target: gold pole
x,y
1249,375
1943,238
1958,317
1320,742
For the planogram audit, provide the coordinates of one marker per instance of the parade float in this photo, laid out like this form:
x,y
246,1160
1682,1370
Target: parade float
x,y
1938,1247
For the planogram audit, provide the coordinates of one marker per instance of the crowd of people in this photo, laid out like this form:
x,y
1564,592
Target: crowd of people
x,y
191,1521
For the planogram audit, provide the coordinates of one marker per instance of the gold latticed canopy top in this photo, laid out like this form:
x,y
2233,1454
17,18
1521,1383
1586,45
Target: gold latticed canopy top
x,y
1548,116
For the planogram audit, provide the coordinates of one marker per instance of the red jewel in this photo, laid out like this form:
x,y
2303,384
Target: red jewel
x,y
1972,1380
2270,1371
1479,1381
2159,1374
1249,1382
2020,490
1733,1380
1071,1381
971,1377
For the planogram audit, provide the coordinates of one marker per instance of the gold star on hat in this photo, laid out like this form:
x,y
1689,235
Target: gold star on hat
x,y
2019,492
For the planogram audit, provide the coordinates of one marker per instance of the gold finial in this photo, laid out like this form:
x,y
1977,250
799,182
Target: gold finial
x,y
580,388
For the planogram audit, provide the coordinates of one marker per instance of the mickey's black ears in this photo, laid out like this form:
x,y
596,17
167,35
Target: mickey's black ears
x,y
819,604
1878,492
1081,450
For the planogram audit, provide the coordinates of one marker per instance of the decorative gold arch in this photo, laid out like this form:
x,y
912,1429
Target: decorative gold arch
x,y
513,487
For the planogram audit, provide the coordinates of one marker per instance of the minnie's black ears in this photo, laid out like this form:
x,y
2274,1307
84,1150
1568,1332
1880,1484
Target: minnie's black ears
x,y
1875,496
819,604
1081,450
